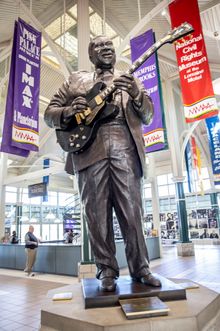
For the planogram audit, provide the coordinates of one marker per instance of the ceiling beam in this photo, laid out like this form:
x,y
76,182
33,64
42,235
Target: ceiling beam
x,y
38,174
146,19
110,19
47,38
208,5
55,10
5,44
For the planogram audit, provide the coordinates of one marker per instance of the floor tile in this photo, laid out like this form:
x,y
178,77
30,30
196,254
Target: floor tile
x,y
21,297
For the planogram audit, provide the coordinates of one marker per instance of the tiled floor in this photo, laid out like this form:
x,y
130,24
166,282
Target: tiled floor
x,y
21,296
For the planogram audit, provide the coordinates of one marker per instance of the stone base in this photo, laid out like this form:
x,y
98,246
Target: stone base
x,y
86,270
185,249
200,312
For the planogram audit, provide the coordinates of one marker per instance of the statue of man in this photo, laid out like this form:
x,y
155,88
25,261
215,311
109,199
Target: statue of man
x,y
110,171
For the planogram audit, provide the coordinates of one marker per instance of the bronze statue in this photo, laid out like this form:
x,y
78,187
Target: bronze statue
x,y
109,172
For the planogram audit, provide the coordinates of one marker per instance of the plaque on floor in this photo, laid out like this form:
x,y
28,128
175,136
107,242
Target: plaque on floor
x,y
127,288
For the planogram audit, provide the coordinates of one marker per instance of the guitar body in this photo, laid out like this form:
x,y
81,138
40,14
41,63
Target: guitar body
x,y
77,138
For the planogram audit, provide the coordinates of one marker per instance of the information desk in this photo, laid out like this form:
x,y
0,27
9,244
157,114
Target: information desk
x,y
62,258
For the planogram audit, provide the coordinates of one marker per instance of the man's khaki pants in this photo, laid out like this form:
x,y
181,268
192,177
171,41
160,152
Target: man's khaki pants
x,y
30,259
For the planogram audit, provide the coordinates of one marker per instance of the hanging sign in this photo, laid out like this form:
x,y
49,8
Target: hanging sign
x,y
21,124
213,130
148,73
189,166
37,190
196,84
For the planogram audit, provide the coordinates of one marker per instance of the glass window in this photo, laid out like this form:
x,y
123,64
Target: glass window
x,y
45,232
10,197
170,178
172,189
53,233
206,184
204,172
186,187
35,213
148,206
37,231
52,199
61,233
147,192
163,191
35,200
162,180
64,198
24,229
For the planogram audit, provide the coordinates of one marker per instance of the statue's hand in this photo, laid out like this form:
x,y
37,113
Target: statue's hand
x,y
127,83
78,106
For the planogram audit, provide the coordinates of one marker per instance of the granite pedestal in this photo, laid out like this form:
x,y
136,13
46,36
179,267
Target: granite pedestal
x,y
185,249
200,312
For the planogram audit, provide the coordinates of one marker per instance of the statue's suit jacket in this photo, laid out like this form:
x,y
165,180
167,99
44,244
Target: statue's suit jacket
x,y
78,84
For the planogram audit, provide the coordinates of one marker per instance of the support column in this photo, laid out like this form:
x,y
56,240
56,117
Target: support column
x,y
83,34
214,205
185,247
155,198
86,267
3,174
18,213
181,208
156,210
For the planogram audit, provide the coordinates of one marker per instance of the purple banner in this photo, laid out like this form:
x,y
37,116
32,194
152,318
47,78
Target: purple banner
x,y
46,178
21,125
189,166
213,130
6,145
154,134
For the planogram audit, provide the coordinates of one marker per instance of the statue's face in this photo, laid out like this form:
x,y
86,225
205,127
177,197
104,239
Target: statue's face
x,y
102,53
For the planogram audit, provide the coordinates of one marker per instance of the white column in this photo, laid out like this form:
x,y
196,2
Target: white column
x,y
83,34
172,130
155,197
3,173
176,160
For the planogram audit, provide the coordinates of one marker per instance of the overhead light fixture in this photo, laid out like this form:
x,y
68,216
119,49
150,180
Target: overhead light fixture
x,y
164,12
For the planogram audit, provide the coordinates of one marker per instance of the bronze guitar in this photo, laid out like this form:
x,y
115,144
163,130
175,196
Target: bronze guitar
x,y
81,132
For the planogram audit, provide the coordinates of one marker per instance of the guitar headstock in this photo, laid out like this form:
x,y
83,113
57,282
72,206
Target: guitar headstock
x,y
182,30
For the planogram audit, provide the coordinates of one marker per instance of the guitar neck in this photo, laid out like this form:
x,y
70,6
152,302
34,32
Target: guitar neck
x,y
179,32
110,89
146,55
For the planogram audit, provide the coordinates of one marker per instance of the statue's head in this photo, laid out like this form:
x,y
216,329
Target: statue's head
x,y
102,52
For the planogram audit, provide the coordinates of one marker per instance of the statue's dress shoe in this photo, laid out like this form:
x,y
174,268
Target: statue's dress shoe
x,y
148,279
107,284
107,277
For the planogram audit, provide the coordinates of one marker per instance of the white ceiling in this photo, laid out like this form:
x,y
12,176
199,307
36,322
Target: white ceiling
x,y
122,16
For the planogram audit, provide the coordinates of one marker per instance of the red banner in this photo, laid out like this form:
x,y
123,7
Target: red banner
x,y
196,84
